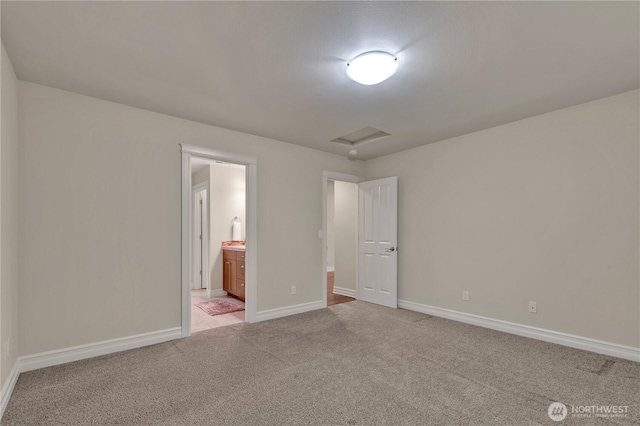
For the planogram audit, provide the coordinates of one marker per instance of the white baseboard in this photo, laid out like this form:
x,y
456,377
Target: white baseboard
x,y
331,269
62,356
217,293
606,348
76,353
7,387
344,291
288,310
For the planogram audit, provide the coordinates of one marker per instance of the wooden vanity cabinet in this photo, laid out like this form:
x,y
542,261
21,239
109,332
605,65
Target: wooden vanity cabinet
x,y
233,273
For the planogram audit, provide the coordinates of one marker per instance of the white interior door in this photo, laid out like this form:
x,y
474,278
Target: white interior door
x,y
197,241
200,240
377,241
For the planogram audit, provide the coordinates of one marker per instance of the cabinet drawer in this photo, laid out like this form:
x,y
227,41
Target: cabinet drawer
x,y
229,254
240,289
240,255
240,270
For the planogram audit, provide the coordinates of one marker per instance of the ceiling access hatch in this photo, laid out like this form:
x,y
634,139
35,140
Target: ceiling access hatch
x,y
361,137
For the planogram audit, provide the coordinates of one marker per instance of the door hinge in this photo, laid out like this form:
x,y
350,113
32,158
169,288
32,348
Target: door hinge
x,y
200,271
200,202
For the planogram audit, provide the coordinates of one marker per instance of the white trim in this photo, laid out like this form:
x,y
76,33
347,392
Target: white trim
x,y
251,258
331,269
217,293
200,186
251,261
76,353
203,152
7,388
186,245
343,177
344,291
290,310
579,342
326,176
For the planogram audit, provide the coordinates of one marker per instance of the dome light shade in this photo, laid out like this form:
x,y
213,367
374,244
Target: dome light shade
x,y
371,68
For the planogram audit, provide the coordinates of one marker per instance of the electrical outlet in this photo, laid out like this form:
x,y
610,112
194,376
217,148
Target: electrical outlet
x,y
293,289
533,308
465,295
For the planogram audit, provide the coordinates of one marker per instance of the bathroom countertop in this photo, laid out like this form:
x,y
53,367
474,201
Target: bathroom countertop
x,y
233,245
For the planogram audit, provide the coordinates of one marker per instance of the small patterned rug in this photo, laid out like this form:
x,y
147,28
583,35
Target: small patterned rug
x,y
219,307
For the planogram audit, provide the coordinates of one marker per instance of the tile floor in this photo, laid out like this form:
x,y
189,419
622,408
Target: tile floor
x,y
200,320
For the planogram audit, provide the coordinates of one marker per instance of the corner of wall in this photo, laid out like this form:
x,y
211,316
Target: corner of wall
x,y
9,303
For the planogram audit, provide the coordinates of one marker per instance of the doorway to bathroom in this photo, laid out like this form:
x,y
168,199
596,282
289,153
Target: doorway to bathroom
x,y
218,243
218,259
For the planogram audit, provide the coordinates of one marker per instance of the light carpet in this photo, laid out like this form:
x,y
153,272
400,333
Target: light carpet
x,y
351,364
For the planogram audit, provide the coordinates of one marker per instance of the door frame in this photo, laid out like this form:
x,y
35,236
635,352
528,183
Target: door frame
x,y
205,232
326,177
251,262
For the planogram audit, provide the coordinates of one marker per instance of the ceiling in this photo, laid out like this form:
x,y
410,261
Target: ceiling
x,y
277,69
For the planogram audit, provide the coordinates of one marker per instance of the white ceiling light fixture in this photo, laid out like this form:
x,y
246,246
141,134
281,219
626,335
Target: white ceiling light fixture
x,y
371,68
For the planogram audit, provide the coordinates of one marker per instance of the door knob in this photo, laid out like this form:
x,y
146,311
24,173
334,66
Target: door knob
x,y
391,249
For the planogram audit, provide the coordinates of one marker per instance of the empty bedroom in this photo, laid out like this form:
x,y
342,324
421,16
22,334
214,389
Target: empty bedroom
x,y
320,213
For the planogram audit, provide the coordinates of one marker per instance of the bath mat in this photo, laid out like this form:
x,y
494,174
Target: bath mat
x,y
219,307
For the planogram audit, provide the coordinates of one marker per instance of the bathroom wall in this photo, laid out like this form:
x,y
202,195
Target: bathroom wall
x,y
346,234
226,200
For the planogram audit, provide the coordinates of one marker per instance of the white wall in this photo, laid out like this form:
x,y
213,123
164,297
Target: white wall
x,y
9,217
346,234
543,209
101,225
227,200
331,256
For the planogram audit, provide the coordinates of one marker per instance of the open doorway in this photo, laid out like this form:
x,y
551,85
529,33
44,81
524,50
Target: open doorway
x,y
218,243
341,238
218,231
376,259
